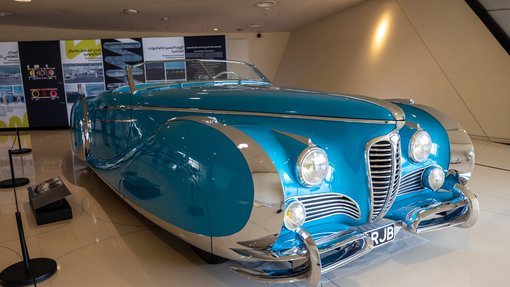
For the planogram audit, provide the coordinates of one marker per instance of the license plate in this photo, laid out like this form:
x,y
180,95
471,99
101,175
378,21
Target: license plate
x,y
382,235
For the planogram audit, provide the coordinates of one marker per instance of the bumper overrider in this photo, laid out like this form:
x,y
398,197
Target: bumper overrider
x,y
316,257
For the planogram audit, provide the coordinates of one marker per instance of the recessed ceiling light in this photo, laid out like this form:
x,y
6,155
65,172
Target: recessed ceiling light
x,y
164,18
26,1
215,29
5,14
256,25
266,4
130,11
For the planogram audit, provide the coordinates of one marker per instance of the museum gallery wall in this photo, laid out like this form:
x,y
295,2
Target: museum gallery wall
x,y
41,80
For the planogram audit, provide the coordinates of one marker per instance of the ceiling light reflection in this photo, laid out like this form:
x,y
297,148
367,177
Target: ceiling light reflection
x,y
380,34
242,145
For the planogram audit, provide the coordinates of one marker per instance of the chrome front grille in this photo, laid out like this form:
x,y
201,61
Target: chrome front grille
x,y
326,204
383,154
411,182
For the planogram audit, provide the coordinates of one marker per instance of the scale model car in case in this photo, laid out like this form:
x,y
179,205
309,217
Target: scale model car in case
x,y
246,171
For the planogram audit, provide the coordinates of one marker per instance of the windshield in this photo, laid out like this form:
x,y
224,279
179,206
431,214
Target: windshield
x,y
193,71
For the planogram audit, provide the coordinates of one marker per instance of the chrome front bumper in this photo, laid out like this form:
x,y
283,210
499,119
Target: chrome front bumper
x,y
333,251
461,211
350,244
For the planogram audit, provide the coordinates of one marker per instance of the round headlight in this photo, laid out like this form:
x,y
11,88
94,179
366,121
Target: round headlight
x,y
420,146
312,166
433,177
294,215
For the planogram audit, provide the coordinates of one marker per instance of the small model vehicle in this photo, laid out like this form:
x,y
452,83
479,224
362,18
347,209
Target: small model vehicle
x,y
246,171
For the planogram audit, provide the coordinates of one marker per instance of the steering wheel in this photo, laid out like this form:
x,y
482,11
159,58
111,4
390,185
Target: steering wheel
x,y
227,73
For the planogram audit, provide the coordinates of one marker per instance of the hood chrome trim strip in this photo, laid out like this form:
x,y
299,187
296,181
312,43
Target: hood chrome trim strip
x,y
258,114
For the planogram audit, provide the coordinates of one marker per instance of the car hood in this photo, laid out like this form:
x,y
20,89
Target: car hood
x,y
270,100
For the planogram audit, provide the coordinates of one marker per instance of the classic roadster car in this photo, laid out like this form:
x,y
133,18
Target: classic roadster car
x,y
246,171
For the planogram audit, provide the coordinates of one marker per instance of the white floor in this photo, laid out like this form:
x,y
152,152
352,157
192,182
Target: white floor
x,y
108,244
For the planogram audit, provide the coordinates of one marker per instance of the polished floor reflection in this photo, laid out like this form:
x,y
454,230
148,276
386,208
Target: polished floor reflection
x,y
108,244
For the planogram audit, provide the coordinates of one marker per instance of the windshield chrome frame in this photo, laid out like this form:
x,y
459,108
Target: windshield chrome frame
x,y
133,88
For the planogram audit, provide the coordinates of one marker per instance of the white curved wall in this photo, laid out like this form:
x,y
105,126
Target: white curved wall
x,y
436,52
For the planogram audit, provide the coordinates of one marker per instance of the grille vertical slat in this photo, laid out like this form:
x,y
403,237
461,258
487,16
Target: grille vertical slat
x,y
384,171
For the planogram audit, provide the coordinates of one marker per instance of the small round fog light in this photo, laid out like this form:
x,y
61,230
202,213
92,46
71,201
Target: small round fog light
x,y
433,177
294,215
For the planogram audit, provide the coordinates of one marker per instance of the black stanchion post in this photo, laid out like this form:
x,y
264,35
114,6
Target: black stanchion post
x,y
13,182
20,150
29,271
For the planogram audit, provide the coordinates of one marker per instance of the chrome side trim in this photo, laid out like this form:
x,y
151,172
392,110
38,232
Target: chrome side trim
x,y
117,121
257,114
462,151
266,218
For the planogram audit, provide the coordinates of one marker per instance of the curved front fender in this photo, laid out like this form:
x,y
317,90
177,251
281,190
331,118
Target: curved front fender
x,y
209,179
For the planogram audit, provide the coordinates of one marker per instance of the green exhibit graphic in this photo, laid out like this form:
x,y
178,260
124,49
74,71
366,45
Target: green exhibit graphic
x,y
82,65
13,110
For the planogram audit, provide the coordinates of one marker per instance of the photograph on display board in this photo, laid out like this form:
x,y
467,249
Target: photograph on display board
x,y
204,47
13,111
164,49
74,92
82,64
155,72
175,71
10,75
116,54
83,73
41,70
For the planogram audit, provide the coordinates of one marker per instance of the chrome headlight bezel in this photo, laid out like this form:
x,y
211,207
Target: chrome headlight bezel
x,y
294,215
413,152
305,179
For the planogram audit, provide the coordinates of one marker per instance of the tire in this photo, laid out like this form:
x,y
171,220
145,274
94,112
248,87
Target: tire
x,y
207,257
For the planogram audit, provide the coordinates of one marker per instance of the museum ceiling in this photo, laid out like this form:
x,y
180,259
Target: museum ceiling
x,y
171,15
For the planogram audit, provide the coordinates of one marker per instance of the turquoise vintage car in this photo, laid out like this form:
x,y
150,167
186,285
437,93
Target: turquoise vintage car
x,y
247,171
